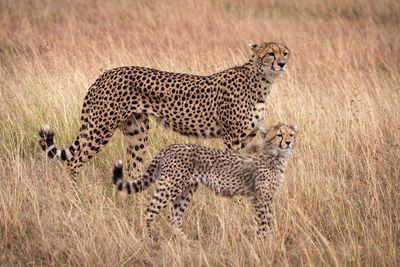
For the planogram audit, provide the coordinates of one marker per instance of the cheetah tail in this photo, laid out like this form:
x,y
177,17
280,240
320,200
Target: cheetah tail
x,y
118,176
138,185
47,144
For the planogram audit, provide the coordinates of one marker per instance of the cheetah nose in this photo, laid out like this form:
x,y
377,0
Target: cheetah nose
x,y
281,64
288,142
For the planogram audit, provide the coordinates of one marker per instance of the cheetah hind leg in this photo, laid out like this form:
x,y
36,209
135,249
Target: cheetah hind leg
x,y
179,207
135,130
92,139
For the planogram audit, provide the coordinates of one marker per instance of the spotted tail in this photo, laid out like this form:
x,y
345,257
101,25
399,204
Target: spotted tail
x,y
47,144
140,184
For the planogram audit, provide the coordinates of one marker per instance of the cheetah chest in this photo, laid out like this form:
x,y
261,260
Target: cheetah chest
x,y
257,116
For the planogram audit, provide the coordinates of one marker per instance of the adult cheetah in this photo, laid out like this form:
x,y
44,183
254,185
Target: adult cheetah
x,y
256,172
229,104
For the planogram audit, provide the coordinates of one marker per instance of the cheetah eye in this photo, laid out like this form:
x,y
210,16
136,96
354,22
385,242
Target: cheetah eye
x,y
291,135
285,53
271,54
279,135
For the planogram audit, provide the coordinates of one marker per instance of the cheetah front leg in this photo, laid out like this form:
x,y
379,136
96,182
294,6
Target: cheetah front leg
x,y
135,130
245,141
231,142
263,211
238,138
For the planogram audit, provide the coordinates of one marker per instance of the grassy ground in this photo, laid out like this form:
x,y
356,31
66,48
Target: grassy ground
x,y
340,204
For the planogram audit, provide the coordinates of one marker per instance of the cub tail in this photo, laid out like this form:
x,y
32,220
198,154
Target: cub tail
x,y
138,185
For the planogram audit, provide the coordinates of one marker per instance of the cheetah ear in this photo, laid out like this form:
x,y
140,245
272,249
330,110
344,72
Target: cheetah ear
x,y
295,128
254,47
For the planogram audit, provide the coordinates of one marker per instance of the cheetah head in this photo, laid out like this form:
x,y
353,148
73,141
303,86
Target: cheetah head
x,y
270,58
280,136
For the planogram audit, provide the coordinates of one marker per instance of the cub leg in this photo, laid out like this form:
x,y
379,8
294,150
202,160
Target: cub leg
x,y
179,207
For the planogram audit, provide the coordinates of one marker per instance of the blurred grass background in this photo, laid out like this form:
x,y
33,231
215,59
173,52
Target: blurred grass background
x,y
340,201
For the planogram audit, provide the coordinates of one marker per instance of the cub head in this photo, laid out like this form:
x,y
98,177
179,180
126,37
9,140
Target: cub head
x,y
270,58
280,136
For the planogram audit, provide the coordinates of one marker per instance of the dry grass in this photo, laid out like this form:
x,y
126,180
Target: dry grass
x,y
340,202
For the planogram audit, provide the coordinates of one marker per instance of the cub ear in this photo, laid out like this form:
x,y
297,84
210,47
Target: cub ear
x,y
262,132
295,128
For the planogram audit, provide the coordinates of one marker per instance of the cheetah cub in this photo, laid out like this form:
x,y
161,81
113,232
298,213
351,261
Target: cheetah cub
x,y
256,172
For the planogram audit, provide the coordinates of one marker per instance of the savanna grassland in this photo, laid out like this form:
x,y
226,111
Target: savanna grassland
x,y
340,204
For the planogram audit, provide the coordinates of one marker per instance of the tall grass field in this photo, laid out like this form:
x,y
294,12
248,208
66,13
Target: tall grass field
x,y
340,202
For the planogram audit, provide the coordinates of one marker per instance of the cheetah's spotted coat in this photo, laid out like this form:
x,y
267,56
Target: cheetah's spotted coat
x,y
256,172
229,104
